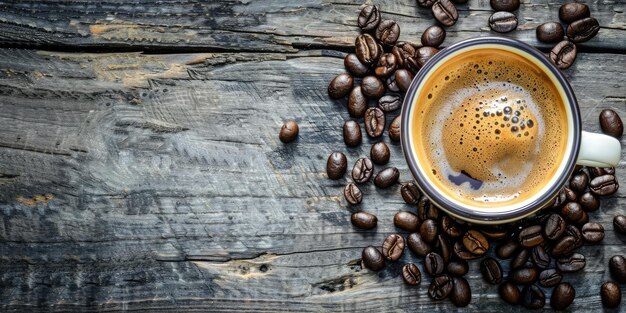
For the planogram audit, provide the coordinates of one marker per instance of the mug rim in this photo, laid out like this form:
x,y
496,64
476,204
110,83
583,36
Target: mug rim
x,y
483,217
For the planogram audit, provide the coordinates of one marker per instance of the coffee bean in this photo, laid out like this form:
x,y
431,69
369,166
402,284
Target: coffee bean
x,y
509,293
524,276
461,294
289,132
410,193
364,220
530,236
491,270
589,202
340,86
354,66
554,227
424,54
411,274
460,252
503,22
458,268
445,12
564,246
433,36
420,247
599,171
403,79
572,263
389,103
565,195
434,264
494,233
533,297
393,246
450,227
611,294
372,87
520,259
603,185
406,221
440,287
380,153
373,259
549,277
369,18
353,194
374,122
573,11
367,49
611,123
443,246
504,5
386,65
428,230
550,32
387,177
540,257
357,103
405,56
362,170
619,224
391,84
507,249
573,231
563,54
426,3
562,296
351,133
475,242
394,129
572,212
336,165
578,183
593,232
583,30
388,32
617,267
426,210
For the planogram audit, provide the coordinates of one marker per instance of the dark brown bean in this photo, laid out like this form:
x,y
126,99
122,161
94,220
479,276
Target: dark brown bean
x,y
509,293
387,177
393,247
554,227
460,252
550,32
405,56
494,233
336,165
611,123
403,79
533,297
611,294
357,103
369,18
445,12
367,49
374,122
352,133
389,103
617,267
573,231
619,224
592,232
524,276
428,230
563,54
550,277
540,257
434,264
372,87
372,258
410,193
589,202
426,210
578,183
461,294
416,244
289,131
353,194
572,263
503,22
565,195
433,36
362,170
599,171
507,249
388,32
394,129
458,268
562,296
380,153
340,86
354,65
564,246
440,287
406,221
411,274
531,236
572,212
604,185
364,220
475,242
424,54
583,30
573,11
491,270
520,259
450,227
504,5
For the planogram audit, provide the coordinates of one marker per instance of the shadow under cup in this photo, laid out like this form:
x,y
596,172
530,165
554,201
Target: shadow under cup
x,y
475,212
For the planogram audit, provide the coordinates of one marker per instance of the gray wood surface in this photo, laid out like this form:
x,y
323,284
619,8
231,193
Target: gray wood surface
x,y
149,182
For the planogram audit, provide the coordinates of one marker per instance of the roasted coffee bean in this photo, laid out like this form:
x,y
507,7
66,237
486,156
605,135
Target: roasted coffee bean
x,y
564,246
599,171
562,296
388,32
289,131
380,153
572,263
393,246
403,52
592,232
364,220
372,87
503,22
572,212
461,294
357,103
573,231
589,202
533,297
617,267
550,32
440,287
475,242
550,277
491,270
424,54
367,49
524,276
411,274
611,294
336,165
354,66
389,103
603,185
583,30
540,257
372,258
611,123
391,84
530,236
426,210
406,221
369,18
362,170
387,177
426,3
494,233
410,193
403,79
443,246
340,86
554,227
507,249
458,268
520,259
434,264
509,293
394,129
578,183
433,36
420,247
504,5
386,65
563,54
565,195
583,219
429,230
573,11
450,227
445,12
374,122
353,194
460,252
619,224
352,133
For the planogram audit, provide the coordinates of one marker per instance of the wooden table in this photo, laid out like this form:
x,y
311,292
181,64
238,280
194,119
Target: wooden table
x,y
140,166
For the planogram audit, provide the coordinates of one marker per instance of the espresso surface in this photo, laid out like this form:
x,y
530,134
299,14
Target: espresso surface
x,y
493,128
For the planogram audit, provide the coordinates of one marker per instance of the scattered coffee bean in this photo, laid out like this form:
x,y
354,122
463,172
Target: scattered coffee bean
x,y
410,193
503,22
531,236
617,267
362,170
434,264
426,210
389,103
504,5
563,54
592,232
573,231
403,79
572,263
589,202
583,30
564,246
475,242
611,123
352,133
406,221
394,129
388,32
533,297
405,56
426,3
433,36
458,268
411,274
599,171
520,259
572,212
372,258
416,244
440,287
524,276
372,87
619,224
540,257
562,296
450,227
340,86
491,270
357,103
573,11
550,277
387,177
380,153
461,294
364,220
603,185
507,249
353,194
424,54
393,246
289,132
354,66
578,183
367,49
509,293
445,12
428,230
550,32
369,18
554,227
336,165
460,252
565,195
374,122
611,294
391,84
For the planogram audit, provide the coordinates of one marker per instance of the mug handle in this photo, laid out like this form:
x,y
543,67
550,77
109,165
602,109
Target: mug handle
x,y
598,150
